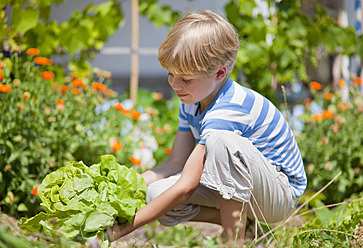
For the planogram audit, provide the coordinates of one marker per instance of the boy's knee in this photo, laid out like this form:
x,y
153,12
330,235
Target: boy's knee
x,y
217,141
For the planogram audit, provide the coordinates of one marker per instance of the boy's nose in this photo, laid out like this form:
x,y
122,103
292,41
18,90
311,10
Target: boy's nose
x,y
175,83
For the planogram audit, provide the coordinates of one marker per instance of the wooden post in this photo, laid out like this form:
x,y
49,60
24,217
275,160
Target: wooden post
x,y
134,79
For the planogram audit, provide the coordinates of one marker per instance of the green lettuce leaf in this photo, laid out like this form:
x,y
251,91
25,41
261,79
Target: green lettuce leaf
x,y
81,201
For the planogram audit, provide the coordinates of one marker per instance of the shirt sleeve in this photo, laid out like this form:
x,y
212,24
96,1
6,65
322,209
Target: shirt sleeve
x,y
227,118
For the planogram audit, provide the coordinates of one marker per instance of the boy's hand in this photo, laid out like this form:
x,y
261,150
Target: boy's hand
x,y
115,232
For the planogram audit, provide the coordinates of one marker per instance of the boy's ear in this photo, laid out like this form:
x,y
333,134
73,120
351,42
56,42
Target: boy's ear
x,y
221,73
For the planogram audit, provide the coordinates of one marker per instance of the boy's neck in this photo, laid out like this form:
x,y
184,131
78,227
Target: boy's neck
x,y
201,108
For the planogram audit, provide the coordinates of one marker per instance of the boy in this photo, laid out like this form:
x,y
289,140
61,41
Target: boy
x,y
232,147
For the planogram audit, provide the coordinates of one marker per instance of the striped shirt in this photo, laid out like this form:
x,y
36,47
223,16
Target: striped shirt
x,y
251,115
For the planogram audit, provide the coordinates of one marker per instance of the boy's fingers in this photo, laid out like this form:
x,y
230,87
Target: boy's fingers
x,y
113,232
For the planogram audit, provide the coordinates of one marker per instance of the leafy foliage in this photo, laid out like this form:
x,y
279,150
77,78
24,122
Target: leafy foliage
x,y
277,48
332,140
79,37
47,120
82,201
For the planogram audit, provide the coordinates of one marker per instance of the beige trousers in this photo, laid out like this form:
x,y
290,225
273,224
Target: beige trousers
x,y
236,170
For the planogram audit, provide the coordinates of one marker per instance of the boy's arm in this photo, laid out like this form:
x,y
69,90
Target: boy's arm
x,y
183,145
181,191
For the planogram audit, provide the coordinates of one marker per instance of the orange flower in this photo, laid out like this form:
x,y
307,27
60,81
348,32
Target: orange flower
x,y
76,91
359,80
159,131
110,92
98,86
335,127
1,74
59,102
328,96
74,74
157,95
5,88
324,140
318,117
315,85
118,106
117,146
135,115
77,83
327,114
341,83
43,61
167,150
47,75
125,111
21,106
32,51
64,88
135,161
35,191
26,96
2,64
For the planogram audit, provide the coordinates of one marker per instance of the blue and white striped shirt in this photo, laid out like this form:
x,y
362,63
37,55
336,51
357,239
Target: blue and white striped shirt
x,y
244,111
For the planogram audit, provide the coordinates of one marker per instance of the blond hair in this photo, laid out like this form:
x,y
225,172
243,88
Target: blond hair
x,y
199,42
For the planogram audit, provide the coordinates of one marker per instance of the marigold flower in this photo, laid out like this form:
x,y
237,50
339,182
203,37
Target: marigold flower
x,y
135,161
118,107
76,91
157,95
125,111
335,127
110,92
359,80
43,61
5,88
21,106
26,96
318,117
35,191
47,75
341,83
2,64
74,75
327,114
315,85
59,102
167,150
135,115
167,128
16,82
328,96
98,86
32,51
159,131
117,146
64,88
1,74
77,83
324,140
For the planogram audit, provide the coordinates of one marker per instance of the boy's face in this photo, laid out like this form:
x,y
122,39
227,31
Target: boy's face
x,y
198,87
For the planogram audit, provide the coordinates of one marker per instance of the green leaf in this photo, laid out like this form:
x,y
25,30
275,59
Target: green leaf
x,y
23,20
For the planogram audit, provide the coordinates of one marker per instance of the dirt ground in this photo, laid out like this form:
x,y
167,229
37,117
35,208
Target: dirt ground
x,y
137,238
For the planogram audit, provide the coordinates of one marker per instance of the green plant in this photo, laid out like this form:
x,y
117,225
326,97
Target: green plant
x,y
47,119
81,201
332,139
80,36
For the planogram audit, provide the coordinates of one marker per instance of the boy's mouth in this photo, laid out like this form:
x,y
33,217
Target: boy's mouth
x,y
180,95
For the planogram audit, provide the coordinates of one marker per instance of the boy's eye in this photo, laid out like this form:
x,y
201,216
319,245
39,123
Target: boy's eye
x,y
186,81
